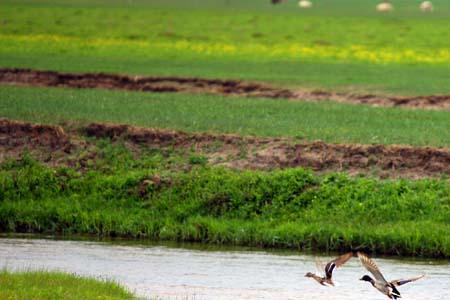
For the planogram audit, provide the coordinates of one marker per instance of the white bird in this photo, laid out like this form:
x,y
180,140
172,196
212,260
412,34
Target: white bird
x,y
305,4
385,7
426,6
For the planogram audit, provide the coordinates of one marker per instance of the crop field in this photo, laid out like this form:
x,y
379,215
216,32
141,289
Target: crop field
x,y
327,121
338,45
228,121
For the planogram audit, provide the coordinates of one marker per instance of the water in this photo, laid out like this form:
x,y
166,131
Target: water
x,y
188,273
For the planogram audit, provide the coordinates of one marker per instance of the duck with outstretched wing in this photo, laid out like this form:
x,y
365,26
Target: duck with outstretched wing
x,y
326,278
389,288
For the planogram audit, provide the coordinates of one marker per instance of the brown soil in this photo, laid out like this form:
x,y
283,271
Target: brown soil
x,y
53,146
211,86
136,83
14,133
46,142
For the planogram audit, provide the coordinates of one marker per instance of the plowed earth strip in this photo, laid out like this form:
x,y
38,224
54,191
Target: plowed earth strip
x,y
209,86
54,146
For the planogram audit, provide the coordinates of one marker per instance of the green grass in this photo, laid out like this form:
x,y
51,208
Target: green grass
x,y
238,22
327,121
288,208
141,38
34,285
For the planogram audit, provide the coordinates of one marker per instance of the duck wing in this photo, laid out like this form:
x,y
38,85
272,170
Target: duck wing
x,y
399,282
320,266
370,265
336,263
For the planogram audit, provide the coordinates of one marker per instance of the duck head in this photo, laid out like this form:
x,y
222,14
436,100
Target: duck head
x,y
309,274
366,278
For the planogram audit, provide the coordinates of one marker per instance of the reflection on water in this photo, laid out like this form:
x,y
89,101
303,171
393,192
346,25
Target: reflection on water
x,y
188,273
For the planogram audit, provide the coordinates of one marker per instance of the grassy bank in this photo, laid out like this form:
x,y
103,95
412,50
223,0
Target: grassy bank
x,y
55,285
341,44
330,122
160,196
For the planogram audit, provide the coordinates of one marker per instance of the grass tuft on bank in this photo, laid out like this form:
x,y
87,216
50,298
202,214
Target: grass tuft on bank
x,y
37,285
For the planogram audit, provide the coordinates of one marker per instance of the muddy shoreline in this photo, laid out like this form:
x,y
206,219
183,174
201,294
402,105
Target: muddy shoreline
x,y
30,77
55,145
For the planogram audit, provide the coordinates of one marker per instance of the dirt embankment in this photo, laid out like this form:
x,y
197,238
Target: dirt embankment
x,y
136,83
54,146
17,138
210,86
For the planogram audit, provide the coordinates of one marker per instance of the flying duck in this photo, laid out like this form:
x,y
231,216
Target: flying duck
x,y
326,278
380,283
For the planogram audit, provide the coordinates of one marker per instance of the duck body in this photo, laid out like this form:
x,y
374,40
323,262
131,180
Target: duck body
x,y
327,278
386,288
322,280
379,282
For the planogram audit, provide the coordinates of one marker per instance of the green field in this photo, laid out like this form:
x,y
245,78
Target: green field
x,y
336,45
55,286
191,201
327,121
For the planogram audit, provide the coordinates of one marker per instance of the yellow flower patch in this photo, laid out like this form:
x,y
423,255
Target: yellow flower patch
x,y
288,51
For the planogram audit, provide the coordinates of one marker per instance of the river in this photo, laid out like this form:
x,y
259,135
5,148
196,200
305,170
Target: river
x,y
165,271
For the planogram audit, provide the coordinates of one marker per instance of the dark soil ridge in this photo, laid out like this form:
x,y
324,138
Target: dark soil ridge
x,y
15,133
47,143
54,146
137,83
210,86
